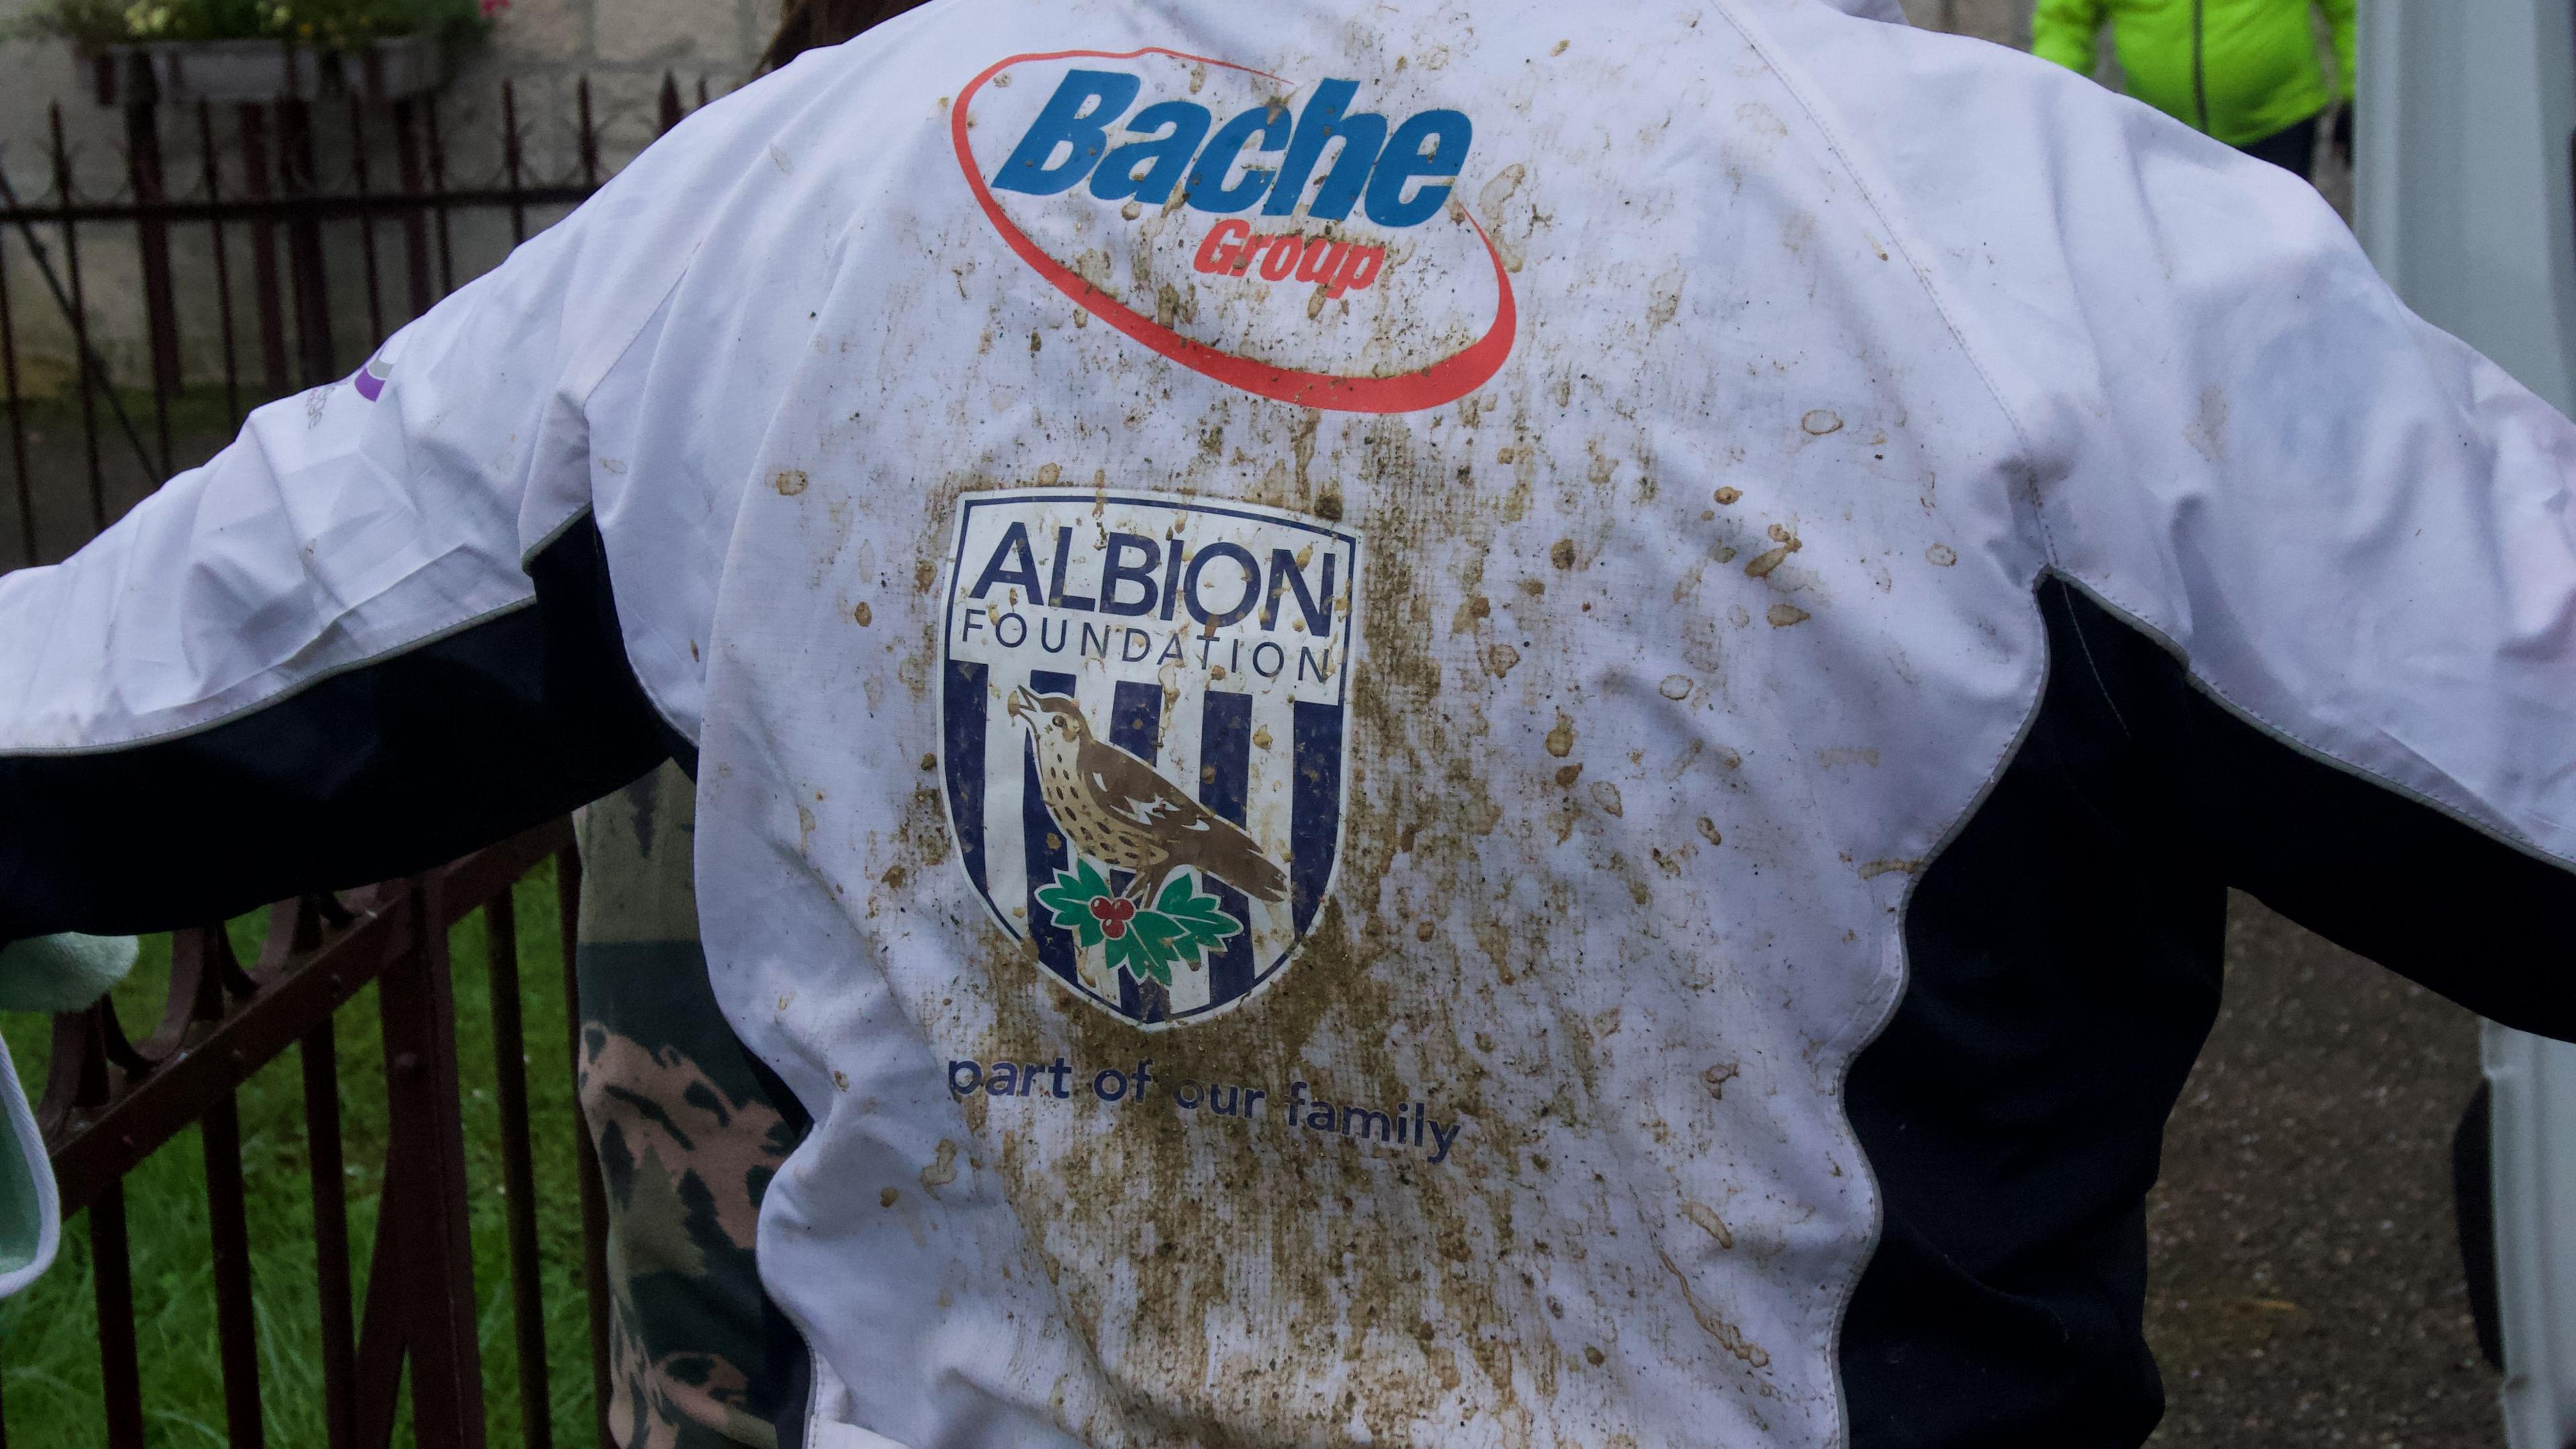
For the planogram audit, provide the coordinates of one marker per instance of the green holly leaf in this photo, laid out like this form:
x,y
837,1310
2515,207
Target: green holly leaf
x,y
1202,920
1148,949
1069,900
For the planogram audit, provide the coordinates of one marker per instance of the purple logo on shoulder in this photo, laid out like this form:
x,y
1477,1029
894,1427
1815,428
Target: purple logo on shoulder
x,y
371,379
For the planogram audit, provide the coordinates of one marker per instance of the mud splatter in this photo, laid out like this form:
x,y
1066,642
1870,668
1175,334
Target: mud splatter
x,y
1771,558
1820,421
1560,740
942,1169
1664,299
789,482
1784,615
2207,433
1498,191
1728,1336
1941,555
1709,1222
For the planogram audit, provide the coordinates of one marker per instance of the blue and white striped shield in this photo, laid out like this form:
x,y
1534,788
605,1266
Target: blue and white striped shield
x,y
1143,717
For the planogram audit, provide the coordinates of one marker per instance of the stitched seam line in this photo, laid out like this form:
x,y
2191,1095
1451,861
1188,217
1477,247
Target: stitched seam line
x,y
1901,238
2319,753
136,742
2076,624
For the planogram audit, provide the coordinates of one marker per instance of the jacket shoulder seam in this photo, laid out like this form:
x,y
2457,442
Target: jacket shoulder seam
x,y
1900,237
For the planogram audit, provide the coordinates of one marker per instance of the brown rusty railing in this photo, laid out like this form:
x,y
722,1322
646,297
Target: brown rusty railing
x,y
111,1102
267,215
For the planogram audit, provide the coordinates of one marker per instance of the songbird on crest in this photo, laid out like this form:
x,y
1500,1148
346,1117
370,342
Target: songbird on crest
x,y
1121,811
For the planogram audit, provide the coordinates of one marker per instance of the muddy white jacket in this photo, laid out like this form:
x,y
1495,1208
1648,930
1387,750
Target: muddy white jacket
x,y
1414,723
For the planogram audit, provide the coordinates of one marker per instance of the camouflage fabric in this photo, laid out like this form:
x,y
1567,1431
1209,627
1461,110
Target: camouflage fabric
x,y
688,1137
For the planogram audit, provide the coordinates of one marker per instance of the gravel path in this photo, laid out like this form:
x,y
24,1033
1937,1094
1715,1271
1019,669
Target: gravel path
x,y
2306,1287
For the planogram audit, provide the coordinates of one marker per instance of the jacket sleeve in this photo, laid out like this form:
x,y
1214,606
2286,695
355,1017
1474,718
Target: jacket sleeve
x,y
374,632
2356,535
2066,31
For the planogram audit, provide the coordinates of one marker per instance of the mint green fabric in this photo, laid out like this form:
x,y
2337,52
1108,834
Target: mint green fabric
x,y
62,973
30,1215
52,973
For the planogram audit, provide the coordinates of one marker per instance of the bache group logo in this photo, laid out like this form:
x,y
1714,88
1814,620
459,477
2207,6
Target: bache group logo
x,y
1301,247
1143,716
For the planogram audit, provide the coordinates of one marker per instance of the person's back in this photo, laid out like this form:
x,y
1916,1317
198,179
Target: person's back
x,y
1339,657
2245,71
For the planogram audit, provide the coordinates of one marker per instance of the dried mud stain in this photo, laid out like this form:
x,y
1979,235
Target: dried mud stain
x,y
1215,1268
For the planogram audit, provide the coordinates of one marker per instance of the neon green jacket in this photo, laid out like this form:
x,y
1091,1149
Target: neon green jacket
x,y
2237,69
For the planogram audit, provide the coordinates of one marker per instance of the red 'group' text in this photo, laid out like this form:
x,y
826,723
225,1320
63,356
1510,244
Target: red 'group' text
x,y
1231,250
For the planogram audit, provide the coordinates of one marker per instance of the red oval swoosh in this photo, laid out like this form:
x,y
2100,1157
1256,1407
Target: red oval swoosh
x,y
1445,381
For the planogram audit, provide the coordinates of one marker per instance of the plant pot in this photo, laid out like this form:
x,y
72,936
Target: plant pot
x,y
189,71
395,67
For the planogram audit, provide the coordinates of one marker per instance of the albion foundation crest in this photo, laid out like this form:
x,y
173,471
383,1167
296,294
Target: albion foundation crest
x,y
1143,716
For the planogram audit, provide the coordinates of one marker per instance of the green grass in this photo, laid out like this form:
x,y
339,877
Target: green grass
x,y
49,1334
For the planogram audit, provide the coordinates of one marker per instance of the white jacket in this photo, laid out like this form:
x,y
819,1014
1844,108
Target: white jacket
x,y
1570,572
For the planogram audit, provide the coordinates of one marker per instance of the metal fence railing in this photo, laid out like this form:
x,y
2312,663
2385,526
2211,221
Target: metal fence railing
x,y
270,254
110,1102
304,232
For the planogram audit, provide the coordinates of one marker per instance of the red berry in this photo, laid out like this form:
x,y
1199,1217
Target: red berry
x,y
1122,910
1101,906
1113,928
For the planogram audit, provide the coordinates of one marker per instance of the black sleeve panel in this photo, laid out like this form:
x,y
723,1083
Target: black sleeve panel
x,y
381,771
2389,877
2065,962
2063,969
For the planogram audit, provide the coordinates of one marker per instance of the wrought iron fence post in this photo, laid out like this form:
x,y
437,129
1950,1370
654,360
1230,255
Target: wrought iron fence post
x,y
518,1171
112,1283
594,1191
236,1319
320,1055
27,542
257,185
214,184
510,163
435,1262
415,214
79,309
359,186
152,238
299,182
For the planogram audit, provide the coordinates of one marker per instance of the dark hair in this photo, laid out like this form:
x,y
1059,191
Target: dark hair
x,y
810,24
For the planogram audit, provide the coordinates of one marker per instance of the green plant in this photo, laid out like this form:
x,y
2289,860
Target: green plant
x,y
95,25
91,25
